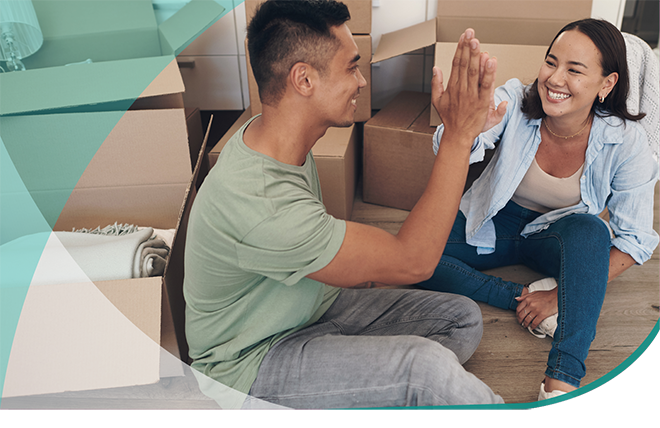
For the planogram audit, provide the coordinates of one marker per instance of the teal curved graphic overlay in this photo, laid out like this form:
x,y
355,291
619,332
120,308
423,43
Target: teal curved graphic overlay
x,y
96,59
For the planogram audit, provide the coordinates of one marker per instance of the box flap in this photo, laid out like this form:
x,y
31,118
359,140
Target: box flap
x,y
519,61
560,10
168,81
129,155
334,143
84,87
192,20
402,111
100,30
405,40
125,181
109,84
500,30
174,269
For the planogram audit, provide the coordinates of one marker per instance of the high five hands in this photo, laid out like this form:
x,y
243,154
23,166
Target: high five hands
x,y
467,106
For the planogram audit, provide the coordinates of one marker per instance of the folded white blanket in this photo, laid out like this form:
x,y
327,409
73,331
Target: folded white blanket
x,y
149,247
106,257
112,253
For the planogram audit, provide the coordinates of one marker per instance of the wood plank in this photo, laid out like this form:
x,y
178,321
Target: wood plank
x,y
512,361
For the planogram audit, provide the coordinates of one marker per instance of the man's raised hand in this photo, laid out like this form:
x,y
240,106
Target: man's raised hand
x,y
466,106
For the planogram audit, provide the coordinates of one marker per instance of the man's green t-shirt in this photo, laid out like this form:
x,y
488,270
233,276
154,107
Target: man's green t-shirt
x,y
256,229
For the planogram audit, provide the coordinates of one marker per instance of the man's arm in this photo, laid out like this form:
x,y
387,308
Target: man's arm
x,y
369,254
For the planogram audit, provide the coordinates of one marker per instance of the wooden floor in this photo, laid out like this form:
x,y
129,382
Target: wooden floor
x,y
512,361
509,359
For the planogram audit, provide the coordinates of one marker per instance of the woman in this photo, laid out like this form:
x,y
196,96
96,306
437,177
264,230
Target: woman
x,y
568,148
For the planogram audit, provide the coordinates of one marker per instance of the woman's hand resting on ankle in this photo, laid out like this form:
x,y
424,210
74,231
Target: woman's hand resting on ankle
x,y
535,307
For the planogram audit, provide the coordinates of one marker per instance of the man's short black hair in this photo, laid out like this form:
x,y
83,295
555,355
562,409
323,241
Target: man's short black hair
x,y
285,32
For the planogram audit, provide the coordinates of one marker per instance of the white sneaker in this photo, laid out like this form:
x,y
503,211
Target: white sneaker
x,y
548,326
543,395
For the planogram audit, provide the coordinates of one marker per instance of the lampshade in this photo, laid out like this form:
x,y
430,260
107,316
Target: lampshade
x,y
20,34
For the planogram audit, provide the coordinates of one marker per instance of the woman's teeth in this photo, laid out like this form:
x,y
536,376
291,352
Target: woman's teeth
x,y
557,95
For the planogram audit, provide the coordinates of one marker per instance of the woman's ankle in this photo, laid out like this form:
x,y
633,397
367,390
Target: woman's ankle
x,y
551,384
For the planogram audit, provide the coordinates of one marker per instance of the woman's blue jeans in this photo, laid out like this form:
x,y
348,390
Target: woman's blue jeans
x,y
574,250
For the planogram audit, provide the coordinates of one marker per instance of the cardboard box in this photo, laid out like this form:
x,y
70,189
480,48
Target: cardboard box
x,y
363,112
103,30
130,167
117,73
336,155
398,152
498,25
83,334
360,10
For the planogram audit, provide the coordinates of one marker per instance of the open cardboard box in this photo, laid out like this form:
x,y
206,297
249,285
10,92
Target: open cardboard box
x,y
121,38
501,27
336,156
83,334
131,167
360,10
363,112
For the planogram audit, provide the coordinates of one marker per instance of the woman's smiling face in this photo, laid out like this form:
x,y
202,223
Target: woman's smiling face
x,y
572,77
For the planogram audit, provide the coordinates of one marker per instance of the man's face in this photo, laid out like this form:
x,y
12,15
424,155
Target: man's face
x,y
340,86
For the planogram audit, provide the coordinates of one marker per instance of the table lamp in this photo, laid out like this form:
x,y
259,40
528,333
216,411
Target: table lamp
x,y
20,34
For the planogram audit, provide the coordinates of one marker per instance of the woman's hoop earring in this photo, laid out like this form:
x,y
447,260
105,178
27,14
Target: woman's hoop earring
x,y
601,99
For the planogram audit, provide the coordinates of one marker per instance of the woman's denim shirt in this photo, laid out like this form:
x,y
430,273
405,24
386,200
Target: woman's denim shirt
x,y
620,173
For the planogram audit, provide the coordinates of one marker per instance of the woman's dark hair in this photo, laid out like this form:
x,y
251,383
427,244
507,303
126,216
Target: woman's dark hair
x,y
612,48
285,32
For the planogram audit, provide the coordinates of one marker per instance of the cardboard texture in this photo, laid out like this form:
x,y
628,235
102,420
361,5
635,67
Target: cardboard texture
x,y
336,160
363,112
103,30
86,335
519,61
398,152
195,132
125,56
150,188
505,22
336,155
360,10
174,270
109,333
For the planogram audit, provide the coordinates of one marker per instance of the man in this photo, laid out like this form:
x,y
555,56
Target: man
x,y
261,247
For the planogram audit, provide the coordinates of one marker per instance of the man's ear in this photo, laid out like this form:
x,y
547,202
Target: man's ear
x,y
302,78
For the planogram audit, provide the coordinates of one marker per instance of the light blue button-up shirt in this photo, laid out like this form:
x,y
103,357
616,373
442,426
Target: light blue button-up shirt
x,y
620,173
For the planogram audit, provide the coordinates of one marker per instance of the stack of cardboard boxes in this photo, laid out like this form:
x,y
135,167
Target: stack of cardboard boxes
x,y
87,161
337,154
398,155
